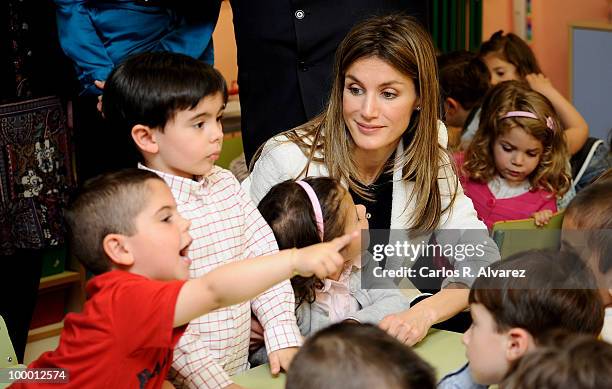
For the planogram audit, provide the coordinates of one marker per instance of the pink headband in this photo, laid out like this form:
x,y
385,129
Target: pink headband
x,y
524,114
316,206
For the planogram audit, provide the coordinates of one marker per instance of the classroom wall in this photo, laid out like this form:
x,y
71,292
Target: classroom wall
x,y
550,30
225,44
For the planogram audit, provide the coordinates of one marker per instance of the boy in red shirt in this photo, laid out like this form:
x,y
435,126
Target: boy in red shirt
x,y
124,228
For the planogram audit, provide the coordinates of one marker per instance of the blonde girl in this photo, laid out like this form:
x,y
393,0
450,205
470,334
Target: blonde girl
x,y
515,167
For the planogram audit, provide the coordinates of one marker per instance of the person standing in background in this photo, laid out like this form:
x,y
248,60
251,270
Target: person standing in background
x,y
285,53
32,68
97,35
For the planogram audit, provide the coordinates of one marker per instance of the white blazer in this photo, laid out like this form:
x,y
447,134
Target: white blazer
x,y
283,160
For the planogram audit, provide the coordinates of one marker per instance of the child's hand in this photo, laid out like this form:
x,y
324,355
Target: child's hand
x,y
281,359
540,83
321,259
542,217
100,85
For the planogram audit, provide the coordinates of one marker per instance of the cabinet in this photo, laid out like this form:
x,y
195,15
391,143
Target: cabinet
x,y
57,294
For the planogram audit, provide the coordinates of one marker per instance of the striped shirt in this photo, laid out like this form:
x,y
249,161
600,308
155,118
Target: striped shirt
x,y
226,227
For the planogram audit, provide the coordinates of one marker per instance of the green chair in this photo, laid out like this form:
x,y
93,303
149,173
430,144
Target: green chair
x,y
8,359
516,236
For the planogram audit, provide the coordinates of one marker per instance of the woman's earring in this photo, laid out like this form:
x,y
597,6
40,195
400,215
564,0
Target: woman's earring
x,y
418,108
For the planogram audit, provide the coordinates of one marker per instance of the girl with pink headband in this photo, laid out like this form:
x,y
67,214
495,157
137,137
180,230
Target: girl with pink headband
x,y
516,166
312,210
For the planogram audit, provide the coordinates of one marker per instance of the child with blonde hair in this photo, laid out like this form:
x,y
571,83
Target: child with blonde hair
x,y
515,168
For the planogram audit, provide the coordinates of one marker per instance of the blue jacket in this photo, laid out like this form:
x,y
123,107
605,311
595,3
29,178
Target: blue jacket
x,y
97,35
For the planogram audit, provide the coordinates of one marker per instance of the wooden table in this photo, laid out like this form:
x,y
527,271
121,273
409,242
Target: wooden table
x,y
442,349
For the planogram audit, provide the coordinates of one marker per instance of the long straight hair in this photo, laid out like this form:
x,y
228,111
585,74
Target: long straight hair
x,y
401,42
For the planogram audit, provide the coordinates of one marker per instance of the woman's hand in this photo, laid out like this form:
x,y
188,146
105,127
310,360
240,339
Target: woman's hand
x,y
542,217
409,327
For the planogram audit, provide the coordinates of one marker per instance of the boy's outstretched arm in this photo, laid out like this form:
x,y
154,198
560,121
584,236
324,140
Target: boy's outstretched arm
x,y
236,282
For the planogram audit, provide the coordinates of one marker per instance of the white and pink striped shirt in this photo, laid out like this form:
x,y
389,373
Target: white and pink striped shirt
x,y
226,227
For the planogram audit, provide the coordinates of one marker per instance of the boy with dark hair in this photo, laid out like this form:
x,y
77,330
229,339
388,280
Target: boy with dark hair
x,y
170,106
577,362
464,81
587,228
357,356
514,307
125,228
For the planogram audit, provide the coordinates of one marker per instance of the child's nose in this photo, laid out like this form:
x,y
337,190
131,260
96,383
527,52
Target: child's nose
x,y
217,134
517,159
185,224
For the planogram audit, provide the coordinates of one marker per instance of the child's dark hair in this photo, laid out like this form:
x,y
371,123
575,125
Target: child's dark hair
x,y
357,356
591,214
551,174
288,211
106,204
572,361
557,291
463,77
150,88
513,49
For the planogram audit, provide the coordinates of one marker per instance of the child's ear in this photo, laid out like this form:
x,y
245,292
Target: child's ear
x,y
450,106
116,248
519,342
145,138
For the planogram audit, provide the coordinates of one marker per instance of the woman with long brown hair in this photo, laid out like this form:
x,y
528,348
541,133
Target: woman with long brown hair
x,y
380,136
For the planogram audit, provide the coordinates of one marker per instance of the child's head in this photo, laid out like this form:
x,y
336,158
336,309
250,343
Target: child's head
x,y
294,216
128,220
170,106
464,80
512,314
587,228
508,57
358,356
519,138
577,362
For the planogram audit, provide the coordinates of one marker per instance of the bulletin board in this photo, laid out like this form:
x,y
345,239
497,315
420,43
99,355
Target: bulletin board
x,y
590,52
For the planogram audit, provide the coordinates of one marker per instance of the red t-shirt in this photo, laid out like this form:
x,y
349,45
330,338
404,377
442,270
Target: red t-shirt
x,y
124,337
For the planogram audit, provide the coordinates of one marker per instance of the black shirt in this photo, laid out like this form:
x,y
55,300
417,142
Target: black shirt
x,y
379,208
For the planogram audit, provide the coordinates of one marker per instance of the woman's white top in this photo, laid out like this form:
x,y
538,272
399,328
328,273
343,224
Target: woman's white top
x,y
282,160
